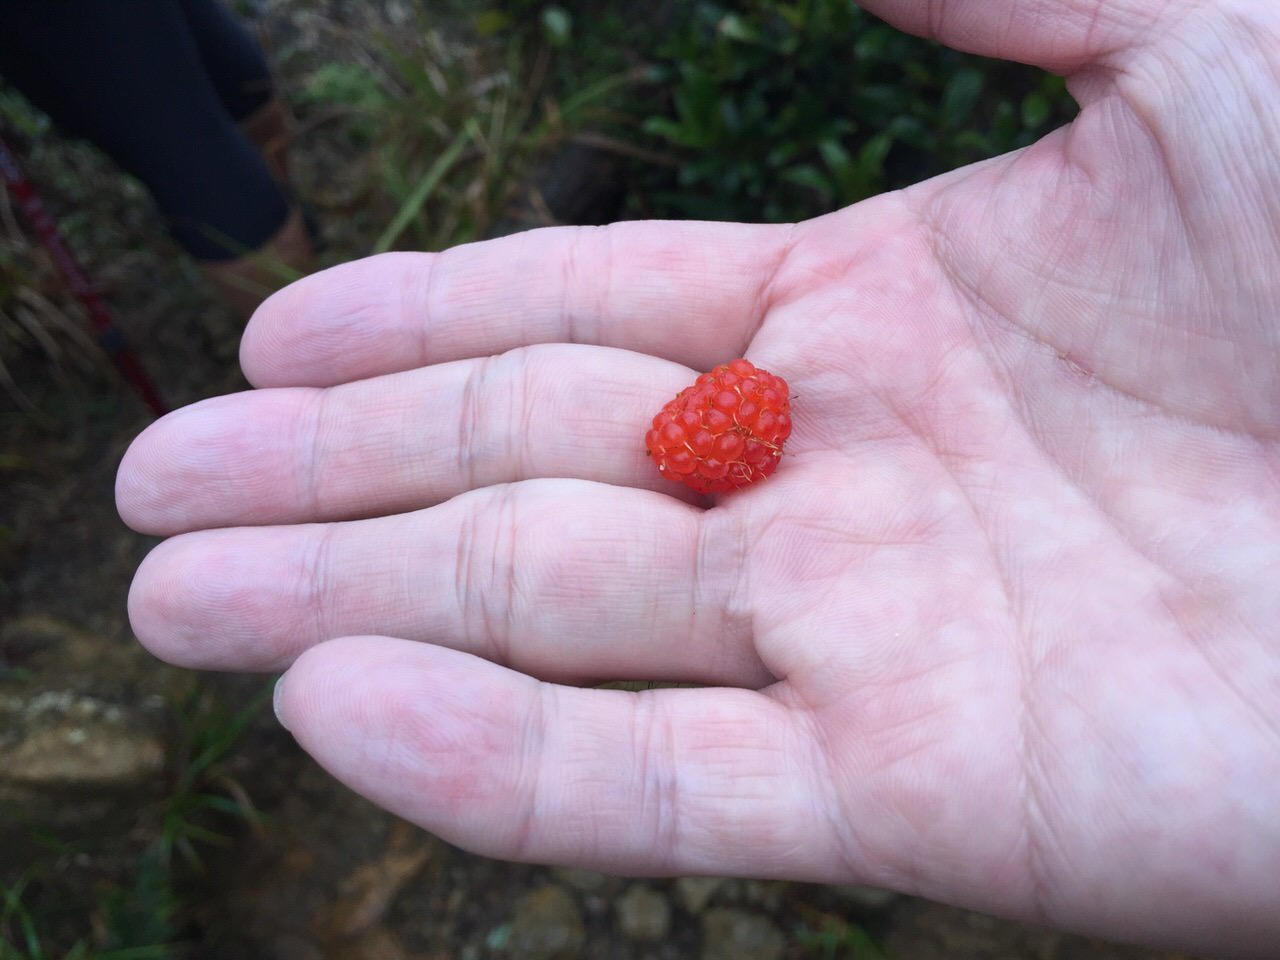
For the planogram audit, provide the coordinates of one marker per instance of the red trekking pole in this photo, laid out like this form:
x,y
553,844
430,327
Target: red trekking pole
x,y
110,337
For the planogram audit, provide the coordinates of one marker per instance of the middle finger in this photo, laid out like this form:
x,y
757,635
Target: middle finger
x,y
399,442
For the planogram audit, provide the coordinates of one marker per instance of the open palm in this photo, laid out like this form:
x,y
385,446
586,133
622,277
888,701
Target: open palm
x,y
1002,630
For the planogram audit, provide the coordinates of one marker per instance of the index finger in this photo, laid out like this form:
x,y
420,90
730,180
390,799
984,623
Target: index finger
x,y
690,292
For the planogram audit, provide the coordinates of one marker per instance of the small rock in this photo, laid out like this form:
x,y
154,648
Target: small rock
x,y
64,742
864,898
374,944
731,934
369,892
292,947
694,893
643,914
498,937
107,665
547,925
766,893
584,881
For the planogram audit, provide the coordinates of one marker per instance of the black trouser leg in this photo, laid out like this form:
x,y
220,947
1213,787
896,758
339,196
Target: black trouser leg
x,y
154,83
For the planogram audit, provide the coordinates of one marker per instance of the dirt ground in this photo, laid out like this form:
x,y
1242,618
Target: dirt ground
x,y
320,873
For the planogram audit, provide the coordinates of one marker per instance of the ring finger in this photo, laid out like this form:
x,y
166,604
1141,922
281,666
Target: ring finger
x,y
562,579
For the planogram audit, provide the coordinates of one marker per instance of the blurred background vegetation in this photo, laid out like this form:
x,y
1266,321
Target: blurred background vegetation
x,y
419,126
782,111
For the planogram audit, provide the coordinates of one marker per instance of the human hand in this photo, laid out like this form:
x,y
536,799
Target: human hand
x,y
1003,629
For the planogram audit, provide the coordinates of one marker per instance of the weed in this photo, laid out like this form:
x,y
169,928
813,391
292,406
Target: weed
x,y
208,736
452,114
443,123
838,940
22,939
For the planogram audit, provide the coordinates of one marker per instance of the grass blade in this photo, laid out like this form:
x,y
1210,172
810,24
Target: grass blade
x,y
426,186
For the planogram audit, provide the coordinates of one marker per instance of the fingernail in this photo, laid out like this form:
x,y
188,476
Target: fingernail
x,y
276,697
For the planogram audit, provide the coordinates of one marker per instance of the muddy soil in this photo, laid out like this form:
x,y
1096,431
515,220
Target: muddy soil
x,y
92,728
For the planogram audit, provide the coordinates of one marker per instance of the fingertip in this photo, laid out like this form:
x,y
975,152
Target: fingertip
x,y
331,326
314,695
263,335
421,730
375,683
131,488
178,464
151,605
140,488
277,702
199,601
162,599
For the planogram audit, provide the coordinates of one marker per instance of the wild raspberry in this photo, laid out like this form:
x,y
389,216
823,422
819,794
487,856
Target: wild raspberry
x,y
724,432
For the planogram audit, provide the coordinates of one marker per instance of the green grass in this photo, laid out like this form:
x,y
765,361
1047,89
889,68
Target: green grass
x,y
449,122
23,939
838,940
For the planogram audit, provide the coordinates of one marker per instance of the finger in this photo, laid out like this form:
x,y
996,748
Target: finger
x,y
562,579
398,443
669,781
690,292
1058,35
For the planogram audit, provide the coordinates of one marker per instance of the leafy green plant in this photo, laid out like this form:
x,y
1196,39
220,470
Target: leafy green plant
x,y
769,110
209,734
453,129
838,940
21,937
779,111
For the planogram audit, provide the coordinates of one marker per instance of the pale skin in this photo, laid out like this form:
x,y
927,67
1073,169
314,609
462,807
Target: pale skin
x,y
1004,628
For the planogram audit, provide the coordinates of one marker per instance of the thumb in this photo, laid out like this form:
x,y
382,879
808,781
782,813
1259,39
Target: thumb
x,y
1058,35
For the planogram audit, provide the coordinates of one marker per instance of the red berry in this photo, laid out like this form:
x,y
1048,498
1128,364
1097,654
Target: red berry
x,y
724,432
